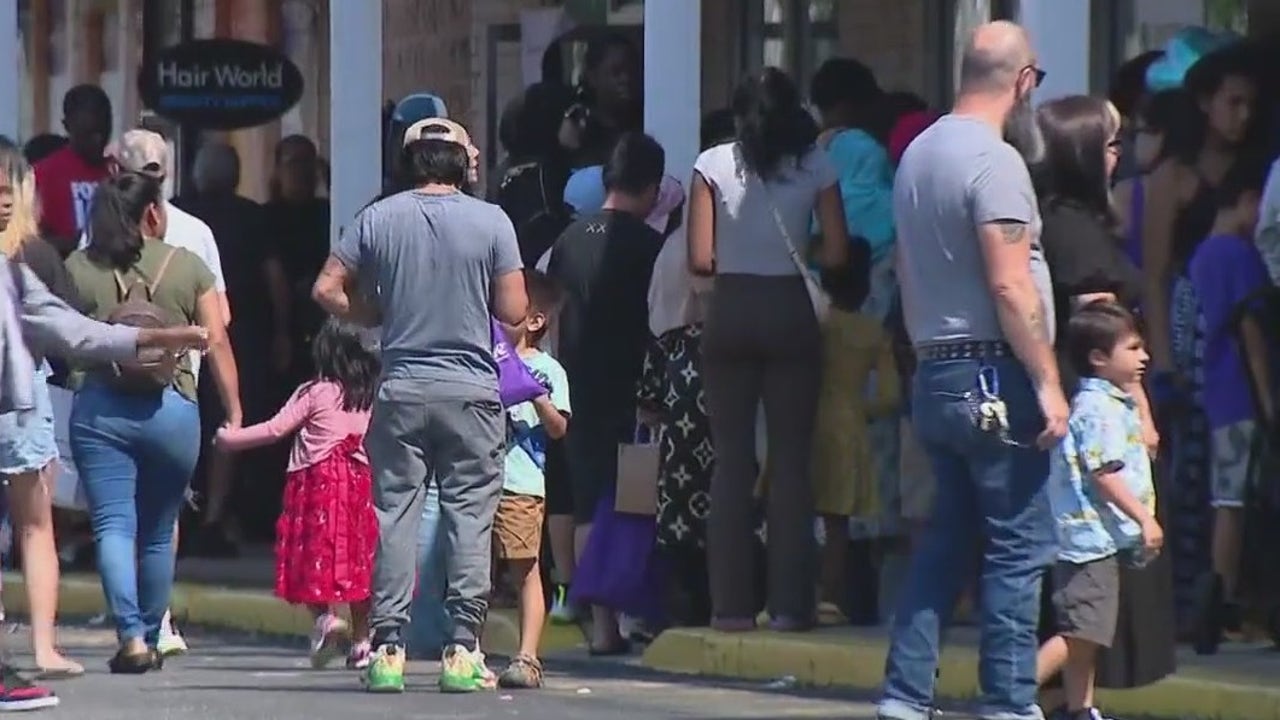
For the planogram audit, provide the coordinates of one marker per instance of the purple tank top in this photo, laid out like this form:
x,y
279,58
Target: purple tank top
x,y
1133,239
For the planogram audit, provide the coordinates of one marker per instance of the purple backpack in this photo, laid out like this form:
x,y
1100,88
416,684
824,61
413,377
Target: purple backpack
x,y
515,383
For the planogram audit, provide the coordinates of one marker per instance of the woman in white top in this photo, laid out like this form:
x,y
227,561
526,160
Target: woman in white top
x,y
751,201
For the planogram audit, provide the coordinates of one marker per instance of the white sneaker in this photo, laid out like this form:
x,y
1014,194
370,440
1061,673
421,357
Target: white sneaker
x,y
326,636
170,642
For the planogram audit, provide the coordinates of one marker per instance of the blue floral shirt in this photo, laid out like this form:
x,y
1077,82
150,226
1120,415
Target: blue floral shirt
x,y
1104,429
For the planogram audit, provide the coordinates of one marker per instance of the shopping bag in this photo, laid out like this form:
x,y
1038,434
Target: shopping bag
x,y
620,567
637,490
68,491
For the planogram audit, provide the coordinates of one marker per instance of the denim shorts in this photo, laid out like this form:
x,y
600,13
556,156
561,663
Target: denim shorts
x,y
26,439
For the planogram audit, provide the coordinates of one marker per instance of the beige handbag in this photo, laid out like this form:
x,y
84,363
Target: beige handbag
x,y
637,489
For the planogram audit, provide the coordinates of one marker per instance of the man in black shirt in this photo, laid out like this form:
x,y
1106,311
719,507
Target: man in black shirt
x,y
604,261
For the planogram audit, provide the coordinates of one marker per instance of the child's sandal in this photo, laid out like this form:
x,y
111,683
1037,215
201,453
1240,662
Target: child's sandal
x,y
524,672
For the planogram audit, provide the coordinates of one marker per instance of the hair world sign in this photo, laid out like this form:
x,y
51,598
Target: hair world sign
x,y
220,84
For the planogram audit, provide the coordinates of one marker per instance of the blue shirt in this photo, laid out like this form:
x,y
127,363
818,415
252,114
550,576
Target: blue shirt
x,y
526,438
1104,429
866,187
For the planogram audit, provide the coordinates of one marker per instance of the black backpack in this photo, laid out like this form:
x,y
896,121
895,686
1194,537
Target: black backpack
x,y
155,368
534,201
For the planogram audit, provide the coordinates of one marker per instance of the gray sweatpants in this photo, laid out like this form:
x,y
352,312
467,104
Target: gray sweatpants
x,y
457,432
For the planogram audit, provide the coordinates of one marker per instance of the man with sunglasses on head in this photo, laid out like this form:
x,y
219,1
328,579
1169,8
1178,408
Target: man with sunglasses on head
x,y
987,403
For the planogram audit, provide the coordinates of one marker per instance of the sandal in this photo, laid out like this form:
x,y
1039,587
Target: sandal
x,y
524,672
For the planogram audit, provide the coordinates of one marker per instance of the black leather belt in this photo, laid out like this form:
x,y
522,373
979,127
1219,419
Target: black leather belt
x,y
964,350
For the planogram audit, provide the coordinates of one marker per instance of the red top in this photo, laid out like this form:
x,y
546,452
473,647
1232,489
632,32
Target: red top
x,y
315,413
906,129
65,185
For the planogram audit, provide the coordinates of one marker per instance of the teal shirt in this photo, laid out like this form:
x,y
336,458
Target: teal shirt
x,y
1104,428
526,438
866,187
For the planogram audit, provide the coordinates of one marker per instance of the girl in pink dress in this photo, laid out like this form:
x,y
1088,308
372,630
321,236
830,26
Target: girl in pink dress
x,y
327,531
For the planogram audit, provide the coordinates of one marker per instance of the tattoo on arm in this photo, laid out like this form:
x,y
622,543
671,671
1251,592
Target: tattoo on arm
x,y
1036,323
1013,232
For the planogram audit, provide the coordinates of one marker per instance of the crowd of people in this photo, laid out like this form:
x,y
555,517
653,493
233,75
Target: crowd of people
x,y
990,338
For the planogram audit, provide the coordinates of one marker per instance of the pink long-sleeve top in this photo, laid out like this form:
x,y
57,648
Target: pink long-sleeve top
x,y
315,413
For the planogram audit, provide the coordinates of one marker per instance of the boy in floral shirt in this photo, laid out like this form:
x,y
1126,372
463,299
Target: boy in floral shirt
x,y
1101,493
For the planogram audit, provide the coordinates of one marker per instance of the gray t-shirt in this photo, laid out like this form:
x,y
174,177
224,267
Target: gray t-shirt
x,y
432,260
748,240
957,175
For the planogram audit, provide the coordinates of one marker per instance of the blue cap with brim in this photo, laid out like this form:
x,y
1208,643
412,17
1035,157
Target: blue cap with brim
x,y
419,106
1181,52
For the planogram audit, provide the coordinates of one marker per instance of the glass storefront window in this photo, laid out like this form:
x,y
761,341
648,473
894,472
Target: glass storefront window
x,y
795,35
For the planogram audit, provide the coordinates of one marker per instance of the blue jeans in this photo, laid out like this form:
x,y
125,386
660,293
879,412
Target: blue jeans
x,y
990,495
430,627
135,455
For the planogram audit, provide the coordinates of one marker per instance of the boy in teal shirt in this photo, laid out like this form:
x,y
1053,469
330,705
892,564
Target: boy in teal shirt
x,y
517,526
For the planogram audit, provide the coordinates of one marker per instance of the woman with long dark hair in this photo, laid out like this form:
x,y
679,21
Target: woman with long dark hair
x,y
135,430
1086,256
751,204
1180,208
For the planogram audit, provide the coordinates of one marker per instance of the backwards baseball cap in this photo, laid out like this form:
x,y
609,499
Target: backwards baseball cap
x,y
141,151
438,129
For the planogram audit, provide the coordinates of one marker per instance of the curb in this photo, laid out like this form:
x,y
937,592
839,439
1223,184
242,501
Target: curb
x,y
257,611
857,662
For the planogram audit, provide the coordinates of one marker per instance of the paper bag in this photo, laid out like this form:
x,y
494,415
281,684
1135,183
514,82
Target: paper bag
x,y
68,491
637,492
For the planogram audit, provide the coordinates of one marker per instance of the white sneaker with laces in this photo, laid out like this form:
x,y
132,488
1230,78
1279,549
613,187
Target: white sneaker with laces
x,y
170,642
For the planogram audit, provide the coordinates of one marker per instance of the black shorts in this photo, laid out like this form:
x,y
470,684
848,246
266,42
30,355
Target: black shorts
x,y
591,448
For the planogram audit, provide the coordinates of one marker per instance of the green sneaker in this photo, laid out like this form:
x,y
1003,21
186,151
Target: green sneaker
x,y
464,671
385,673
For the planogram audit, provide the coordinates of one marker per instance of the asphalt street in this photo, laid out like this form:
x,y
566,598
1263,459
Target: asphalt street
x,y
236,678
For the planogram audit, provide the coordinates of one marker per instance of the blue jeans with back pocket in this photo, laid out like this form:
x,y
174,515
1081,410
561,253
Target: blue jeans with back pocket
x,y
990,496
135,454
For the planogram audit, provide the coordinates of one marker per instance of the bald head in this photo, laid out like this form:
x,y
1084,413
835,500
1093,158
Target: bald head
x,y
994,56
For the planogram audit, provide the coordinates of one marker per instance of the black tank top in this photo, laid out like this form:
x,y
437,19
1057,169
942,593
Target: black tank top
x,y
1195,220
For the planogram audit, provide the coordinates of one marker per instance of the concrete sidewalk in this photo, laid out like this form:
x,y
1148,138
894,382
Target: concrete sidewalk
x,y
1241,683
257,611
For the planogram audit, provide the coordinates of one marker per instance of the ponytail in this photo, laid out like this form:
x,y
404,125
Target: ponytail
x,y
115,219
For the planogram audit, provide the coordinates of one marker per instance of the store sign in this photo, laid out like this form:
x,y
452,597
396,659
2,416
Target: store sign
x,y
220,84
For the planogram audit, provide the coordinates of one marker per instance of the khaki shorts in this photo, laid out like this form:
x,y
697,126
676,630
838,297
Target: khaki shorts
x,y
915,476
517,527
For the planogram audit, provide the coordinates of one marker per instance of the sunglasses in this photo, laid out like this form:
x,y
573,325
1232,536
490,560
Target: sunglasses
x,y
1040,74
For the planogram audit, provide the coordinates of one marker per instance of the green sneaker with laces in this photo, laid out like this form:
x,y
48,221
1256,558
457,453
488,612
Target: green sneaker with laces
x,y
385,673
465,671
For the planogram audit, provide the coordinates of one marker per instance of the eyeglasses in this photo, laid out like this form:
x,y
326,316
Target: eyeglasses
x,y
1040,73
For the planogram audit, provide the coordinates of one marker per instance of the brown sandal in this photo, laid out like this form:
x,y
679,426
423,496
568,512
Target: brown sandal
x,y
524,672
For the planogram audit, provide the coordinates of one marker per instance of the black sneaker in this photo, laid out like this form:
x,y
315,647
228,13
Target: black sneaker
x,y
18,694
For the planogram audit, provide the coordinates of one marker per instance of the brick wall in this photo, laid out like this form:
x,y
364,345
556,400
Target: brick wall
x,y
426,46
888,35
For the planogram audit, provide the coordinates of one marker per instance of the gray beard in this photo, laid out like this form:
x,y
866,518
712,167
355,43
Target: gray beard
x,y
1023,132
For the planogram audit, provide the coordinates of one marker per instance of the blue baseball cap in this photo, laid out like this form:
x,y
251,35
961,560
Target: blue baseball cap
x,y
419,106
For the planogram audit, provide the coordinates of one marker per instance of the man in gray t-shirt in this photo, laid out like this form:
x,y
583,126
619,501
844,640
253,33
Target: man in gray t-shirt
x,y
978,304
439,264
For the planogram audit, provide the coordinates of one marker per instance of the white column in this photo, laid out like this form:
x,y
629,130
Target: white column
x,y
355,108
673,80
10,69
1059,32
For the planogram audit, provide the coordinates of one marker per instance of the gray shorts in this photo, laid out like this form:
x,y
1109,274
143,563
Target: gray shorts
x,y
1086,600
1231,463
